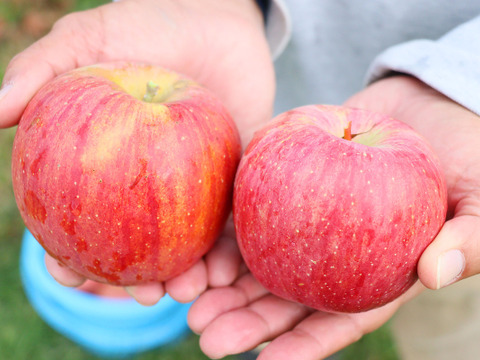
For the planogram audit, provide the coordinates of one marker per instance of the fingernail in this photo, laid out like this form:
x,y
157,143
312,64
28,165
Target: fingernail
x,y
450,266
6,87
146,294
130,290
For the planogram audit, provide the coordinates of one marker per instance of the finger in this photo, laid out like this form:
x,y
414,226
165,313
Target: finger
x,y
245,328
318,336
59,51
218,301
223,262
63,274
188,285
323,334
453,255
104,290
146,294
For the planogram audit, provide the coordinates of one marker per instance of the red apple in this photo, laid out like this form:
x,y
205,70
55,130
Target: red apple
x,y
124,172
334,206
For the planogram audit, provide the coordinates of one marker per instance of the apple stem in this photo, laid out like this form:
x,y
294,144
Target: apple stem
x,y
152,89
347,134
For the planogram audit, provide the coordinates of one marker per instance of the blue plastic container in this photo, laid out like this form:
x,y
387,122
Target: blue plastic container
x,y
107,327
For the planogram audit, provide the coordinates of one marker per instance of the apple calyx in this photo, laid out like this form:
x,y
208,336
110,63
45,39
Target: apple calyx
x,y
152,89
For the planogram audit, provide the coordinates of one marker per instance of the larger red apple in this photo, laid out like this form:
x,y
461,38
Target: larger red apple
x,y
334,206
124,172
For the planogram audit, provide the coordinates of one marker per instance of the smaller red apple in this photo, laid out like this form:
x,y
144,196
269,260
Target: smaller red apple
x,y
334,206
124,172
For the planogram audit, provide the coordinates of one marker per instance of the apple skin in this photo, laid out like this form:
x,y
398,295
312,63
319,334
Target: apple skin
x,y
121,190
335,224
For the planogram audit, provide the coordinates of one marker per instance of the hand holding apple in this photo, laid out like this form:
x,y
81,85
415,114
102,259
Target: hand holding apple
x,y
248,312
191,37
124,172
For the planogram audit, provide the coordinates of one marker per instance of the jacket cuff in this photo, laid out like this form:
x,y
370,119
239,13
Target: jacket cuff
x,y
450,65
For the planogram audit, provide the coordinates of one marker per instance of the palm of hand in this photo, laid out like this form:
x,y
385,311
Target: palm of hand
x,y
238,318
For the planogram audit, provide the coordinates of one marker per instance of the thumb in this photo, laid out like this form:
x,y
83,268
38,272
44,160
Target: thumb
x,y
59,51
453,255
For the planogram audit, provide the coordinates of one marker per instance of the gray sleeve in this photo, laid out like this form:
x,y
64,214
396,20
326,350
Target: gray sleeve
x,y
279,27
451,65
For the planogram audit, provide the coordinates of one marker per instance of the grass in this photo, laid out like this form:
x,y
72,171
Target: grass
x,y
23,334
